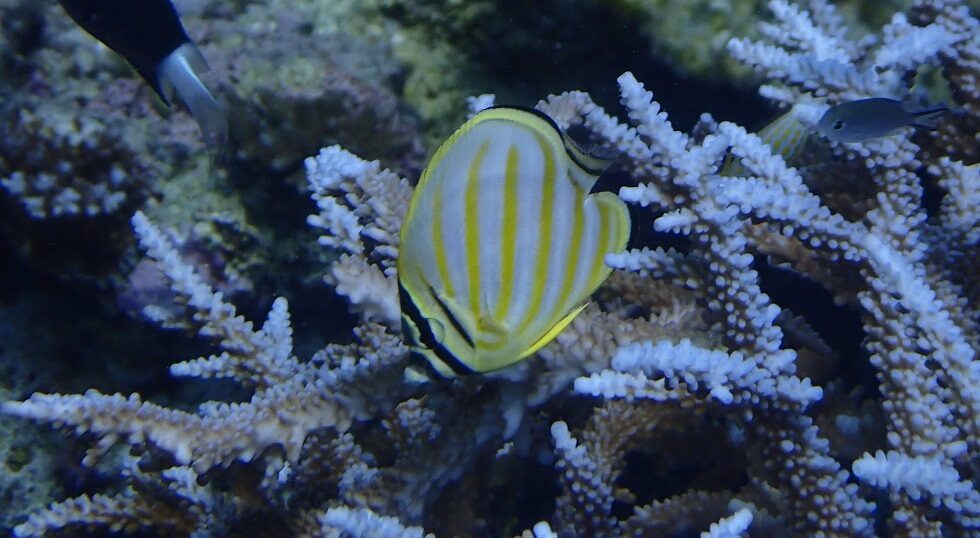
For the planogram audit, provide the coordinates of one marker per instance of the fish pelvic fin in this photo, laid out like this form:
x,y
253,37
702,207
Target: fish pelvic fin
x,y
178,73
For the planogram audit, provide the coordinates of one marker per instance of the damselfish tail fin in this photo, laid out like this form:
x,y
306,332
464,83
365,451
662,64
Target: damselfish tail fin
x,y
177,73
929,118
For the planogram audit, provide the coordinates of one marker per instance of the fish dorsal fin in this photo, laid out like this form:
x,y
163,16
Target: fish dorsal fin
x,y
588,165
615,221
502,241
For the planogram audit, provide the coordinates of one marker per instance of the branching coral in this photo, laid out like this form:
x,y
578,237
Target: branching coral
x,y
677,403
760,373
921,335
292,398
61,165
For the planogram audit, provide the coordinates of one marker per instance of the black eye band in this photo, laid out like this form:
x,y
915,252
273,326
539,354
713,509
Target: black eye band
x,y
426,336
452,319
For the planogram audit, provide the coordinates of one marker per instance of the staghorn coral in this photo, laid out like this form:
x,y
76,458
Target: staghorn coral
x,y
678,403
920,334
692,34
259,359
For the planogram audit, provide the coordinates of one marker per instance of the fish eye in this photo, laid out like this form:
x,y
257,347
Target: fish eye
x,y
838,125
438,329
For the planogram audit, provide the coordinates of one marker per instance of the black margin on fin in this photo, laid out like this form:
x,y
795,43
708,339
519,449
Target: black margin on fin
x,y
531,110
572,148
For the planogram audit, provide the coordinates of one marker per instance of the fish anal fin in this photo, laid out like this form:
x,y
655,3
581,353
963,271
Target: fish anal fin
x,y
553,332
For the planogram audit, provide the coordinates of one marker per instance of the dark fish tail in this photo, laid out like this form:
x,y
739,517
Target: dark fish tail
x,y
928,118
178,73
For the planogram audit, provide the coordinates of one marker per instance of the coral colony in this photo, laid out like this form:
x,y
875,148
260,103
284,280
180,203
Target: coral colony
x,y
680,362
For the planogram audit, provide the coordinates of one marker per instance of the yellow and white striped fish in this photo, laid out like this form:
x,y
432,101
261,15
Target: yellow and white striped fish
x,y
785,135
503,244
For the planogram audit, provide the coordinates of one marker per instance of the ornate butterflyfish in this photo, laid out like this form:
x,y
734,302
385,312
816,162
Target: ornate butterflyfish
x,y
503,243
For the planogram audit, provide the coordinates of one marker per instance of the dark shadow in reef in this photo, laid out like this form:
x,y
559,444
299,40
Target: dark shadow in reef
x,y
587,48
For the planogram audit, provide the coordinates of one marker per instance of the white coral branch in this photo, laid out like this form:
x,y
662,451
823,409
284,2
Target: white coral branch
x,y
733,526
923,479
363,523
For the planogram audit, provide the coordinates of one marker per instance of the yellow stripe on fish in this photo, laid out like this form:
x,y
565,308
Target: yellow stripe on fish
x,y
502,244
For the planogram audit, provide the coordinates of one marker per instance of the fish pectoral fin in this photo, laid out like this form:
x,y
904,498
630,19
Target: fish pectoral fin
x,y
491,330
487,323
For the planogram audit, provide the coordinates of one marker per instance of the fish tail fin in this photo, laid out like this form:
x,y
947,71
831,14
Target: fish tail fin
x,y
178,74
929,118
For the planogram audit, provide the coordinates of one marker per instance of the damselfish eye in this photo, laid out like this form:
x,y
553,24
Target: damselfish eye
x,y
838,125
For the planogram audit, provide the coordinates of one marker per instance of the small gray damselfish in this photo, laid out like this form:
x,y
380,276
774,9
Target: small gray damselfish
x,y
856,121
